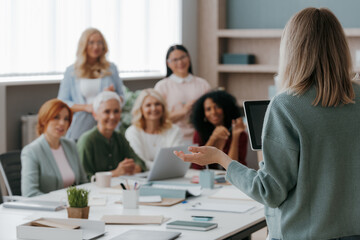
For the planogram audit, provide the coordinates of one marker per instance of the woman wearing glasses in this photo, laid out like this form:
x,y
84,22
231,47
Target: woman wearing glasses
x,y
180,88
89,75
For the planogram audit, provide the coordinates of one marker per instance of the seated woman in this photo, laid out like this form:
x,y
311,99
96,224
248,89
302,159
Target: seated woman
x,y
216,119
151,129
104,149
51,162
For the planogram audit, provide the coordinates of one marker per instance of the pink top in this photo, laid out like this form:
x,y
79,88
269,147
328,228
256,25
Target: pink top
x,y
66,171
177,92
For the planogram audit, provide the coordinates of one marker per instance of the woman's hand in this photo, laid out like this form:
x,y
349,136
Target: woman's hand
x,y
205,156
238,126
125,167
188,106
110,88
220,132
88,108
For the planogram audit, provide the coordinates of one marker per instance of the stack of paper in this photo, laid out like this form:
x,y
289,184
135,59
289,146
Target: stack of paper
x,y
230,193
132,219
235,208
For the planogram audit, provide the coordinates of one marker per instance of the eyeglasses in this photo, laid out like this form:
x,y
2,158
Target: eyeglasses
x,y
176,60
92,43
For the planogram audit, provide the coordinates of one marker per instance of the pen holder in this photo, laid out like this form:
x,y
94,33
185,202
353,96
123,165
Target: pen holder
x,y
130,199
207,179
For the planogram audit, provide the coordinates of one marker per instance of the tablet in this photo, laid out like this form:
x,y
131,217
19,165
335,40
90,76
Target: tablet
x,y
255,113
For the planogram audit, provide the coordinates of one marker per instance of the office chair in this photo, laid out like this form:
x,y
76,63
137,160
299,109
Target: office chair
x,y
10,169
1,200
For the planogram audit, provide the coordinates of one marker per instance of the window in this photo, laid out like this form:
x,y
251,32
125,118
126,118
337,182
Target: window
x,y
41,36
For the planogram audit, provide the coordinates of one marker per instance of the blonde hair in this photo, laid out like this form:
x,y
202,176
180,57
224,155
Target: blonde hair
x,y
82,68
138,119
314,51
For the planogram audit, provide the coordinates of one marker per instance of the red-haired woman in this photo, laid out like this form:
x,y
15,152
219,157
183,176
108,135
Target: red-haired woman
x,y
51,162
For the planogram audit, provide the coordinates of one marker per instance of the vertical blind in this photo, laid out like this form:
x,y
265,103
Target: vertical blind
x,y
41,36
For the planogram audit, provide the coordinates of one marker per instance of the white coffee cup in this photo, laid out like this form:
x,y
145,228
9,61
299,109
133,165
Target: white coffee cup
x,y
102,179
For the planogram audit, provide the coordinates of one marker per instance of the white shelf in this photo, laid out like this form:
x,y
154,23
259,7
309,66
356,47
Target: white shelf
x,y
269,33
249,68
249,33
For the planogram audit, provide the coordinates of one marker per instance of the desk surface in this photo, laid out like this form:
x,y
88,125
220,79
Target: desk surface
x,y
229,224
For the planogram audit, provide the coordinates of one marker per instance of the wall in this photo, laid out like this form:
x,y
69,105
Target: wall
x,y
275,13
190,30
22,99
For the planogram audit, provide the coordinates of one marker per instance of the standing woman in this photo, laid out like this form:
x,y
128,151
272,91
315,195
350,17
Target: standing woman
x,y
180,88
89,75
51,162
151,128
216,117
309,179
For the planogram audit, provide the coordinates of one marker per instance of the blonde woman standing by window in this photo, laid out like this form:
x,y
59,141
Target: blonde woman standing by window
x,y
91,74
151,128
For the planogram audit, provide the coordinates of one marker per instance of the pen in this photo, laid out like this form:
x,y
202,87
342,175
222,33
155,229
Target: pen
x,y
135,185
202,216
123,186
127,184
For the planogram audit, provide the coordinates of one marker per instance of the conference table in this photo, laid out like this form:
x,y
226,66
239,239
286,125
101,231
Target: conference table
x,y
231,225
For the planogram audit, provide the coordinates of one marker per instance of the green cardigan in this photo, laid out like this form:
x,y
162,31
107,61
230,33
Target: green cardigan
x,y
309,180
39,171
99,154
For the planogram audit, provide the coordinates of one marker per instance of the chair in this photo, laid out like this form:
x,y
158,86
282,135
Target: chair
x,y
1,197
10,169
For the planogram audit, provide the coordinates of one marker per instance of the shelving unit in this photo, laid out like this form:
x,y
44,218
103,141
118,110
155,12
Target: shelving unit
x,y
245,82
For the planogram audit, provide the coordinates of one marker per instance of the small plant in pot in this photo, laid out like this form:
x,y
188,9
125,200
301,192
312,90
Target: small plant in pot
x,y
78,202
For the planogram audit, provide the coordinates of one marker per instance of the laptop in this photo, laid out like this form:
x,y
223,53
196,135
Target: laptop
x,y
166,165
255,114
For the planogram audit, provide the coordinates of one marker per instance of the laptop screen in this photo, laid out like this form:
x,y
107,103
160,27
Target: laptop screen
x,y
255,113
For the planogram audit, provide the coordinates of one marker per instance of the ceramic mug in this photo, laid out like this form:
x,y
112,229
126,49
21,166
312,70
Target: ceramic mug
x,y
102,179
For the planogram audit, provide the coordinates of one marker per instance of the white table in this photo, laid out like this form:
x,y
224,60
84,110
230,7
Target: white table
x,y
235,225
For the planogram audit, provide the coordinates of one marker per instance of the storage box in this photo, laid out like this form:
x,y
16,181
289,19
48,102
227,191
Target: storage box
x,y
88,229
230,58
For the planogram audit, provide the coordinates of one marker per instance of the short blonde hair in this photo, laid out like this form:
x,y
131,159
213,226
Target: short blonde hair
x,y
82,68
314,51
138,119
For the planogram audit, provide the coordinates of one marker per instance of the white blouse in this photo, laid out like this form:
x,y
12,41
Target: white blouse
x,y
89,88
146,145
66,171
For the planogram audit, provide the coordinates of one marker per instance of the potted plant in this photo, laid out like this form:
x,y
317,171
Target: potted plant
x,y
78,202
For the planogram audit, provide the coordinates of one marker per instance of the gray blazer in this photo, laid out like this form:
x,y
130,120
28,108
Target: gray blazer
x,y
40,173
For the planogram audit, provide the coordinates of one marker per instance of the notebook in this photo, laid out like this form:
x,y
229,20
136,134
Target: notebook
x,y
36,205
147,234
255,113
167,165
